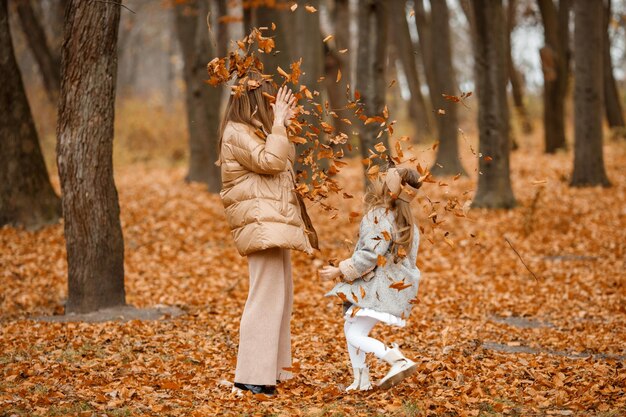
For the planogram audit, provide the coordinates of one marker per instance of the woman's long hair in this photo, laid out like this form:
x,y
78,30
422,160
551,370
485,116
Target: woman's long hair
x,y
378,195
249,105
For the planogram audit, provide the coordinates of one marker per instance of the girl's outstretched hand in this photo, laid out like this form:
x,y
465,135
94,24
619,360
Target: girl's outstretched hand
x,y
284,106
329,273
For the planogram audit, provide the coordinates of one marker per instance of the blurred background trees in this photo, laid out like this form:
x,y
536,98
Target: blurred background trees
x,y
414,58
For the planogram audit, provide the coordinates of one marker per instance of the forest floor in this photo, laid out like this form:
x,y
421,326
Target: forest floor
x,y
489,338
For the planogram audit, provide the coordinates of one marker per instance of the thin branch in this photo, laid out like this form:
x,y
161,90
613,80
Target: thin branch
x,y
520,258
117,4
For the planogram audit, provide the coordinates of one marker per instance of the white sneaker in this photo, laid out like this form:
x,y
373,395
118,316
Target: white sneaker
x,y
401,368
361,380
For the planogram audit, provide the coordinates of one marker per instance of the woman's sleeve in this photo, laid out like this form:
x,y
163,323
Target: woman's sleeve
x,y
270,157
374,241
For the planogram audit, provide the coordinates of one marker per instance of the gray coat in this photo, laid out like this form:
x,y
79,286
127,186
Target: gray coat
x,y
366,284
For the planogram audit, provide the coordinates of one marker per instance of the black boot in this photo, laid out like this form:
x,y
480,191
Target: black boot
x,y
257,389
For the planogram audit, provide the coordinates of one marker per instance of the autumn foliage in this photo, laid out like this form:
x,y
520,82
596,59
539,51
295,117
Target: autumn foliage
x,y
488,338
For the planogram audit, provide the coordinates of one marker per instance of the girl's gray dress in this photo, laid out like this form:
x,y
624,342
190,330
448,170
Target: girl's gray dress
x,y
372,281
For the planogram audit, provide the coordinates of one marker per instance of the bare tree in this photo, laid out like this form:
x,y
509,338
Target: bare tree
x,y
371,57
336,62
494,182
202,101
399,30
612,102
93,234
26,196
555,64
423,25
263,16
517,84
588,94
447,161
222,29
47,59
307,34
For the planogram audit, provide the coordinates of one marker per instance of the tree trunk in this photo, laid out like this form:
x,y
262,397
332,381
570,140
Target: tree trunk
x,y
281,56
26,196
555,64
588,95
47,61
423,24
93,234
370,80
517,86
494,183
222,29
202,101
308,38
612,102
447,161
406,53
335,61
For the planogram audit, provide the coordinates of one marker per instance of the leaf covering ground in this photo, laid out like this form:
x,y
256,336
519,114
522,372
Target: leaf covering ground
x,y
475,297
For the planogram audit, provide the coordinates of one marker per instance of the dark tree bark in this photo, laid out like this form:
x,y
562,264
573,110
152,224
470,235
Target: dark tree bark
x,y
517,85
371,63
334,61
47,60
281,56
423,24
612,102
399,30
202,101
341,14
588,95
26,196
447,161
308,38
494,183
93,234
222,29
555,57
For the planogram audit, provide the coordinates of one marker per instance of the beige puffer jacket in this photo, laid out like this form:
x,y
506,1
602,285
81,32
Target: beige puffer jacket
x,y
262,206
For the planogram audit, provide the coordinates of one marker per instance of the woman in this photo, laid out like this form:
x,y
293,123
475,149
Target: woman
x,y
267,219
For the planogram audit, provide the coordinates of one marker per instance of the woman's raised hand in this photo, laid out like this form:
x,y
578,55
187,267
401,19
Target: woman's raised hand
x,y
284,107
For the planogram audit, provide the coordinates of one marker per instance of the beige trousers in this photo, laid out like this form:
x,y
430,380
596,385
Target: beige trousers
x,y
264,330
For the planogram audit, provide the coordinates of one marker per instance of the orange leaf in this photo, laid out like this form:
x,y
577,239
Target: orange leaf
x,y
400,285
380,147
381,261
310,9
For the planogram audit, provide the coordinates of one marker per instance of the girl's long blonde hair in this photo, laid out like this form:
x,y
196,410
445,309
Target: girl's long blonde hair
x,y
249,105
378,195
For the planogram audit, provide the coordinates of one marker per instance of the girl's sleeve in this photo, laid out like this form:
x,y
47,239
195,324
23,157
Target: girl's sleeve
x,y
372,244
267,158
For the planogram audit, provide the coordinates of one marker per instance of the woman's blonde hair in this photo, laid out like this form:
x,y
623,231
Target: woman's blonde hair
x,y
249,102
378,195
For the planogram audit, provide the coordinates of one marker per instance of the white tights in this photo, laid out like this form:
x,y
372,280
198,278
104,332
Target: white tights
x,y
356,330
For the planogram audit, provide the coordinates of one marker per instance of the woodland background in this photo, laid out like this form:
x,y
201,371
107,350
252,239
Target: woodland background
x,y
521,307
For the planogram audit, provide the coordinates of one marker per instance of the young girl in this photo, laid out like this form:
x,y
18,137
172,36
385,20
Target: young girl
x,y
379,281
